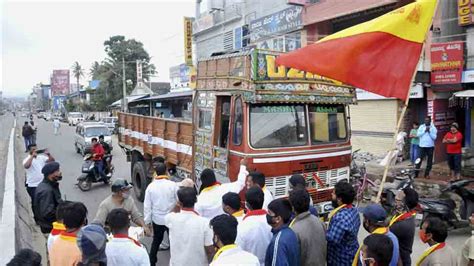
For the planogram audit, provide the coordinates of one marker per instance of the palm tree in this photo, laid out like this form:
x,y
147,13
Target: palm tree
x,y
94,70
77,72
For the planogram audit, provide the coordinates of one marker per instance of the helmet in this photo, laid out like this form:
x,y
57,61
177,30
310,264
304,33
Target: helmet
x,y
120,184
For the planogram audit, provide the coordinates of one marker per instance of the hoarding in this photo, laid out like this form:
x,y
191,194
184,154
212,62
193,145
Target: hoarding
x,y
465,12
60,82
287,20
447,62
188,41
59,102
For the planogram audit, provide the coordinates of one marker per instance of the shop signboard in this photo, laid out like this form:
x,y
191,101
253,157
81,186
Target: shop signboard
x,y
416,92
465,12
188,41
60,82
287,20
447,61
468,76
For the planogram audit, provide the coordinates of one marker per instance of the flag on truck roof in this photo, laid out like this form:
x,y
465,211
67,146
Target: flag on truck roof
x,y
379,56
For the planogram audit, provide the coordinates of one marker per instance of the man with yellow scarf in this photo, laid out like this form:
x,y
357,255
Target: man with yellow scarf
x,y
434,232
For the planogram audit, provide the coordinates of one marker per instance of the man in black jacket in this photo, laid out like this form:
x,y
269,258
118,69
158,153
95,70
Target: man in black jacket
x,y
27,133
47,197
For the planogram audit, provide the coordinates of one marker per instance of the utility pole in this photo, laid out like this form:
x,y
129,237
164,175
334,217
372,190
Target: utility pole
x,y
124,87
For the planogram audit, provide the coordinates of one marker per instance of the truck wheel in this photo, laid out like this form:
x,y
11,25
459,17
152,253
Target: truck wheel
x,y
139,180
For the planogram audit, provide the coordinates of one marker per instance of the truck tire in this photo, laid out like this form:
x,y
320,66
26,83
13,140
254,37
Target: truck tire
x,y
139,180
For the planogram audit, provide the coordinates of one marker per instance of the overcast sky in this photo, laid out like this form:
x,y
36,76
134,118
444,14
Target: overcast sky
x,y
39,36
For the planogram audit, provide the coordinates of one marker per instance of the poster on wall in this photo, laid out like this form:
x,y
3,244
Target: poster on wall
x,y
465,12
287,20
447,62
188,41
60,82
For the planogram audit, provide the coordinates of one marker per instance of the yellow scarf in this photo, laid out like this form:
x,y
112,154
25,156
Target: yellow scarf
x,y
333,212
222,249
158,177
238,213
210,188
430,250
380,231
401,217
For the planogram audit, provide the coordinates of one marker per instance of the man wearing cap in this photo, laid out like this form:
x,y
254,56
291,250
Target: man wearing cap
x,y
374,222
91,240
47,197
120,198
453,141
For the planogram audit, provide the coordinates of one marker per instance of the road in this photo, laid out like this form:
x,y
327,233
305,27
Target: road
x,y
7,123
62,148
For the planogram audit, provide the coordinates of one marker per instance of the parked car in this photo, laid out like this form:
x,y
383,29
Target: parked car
x,y
111,123
48,117
85,131
74,118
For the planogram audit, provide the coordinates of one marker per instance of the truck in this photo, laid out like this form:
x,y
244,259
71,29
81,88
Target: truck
x,y
284,121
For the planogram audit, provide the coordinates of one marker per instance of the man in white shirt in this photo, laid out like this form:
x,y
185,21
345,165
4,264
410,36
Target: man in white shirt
x,y
253,233
190,234
258,179
122,249
56,126
160,199
33,165
231,205
228,253
209,203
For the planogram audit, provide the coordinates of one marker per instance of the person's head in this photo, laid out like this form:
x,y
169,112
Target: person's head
x,y
471,220
374,217
231,203
428,120
63,205
187,197
75,216
91,241
32,148
377,250
410,198
160,169
297,181
254,198
416,125
433,230
343,193
299,199
255,179
157,160
101,138
225,230
24,257
121,188
454,127
208,178
118,221
279,213
94,141
52,172
26,123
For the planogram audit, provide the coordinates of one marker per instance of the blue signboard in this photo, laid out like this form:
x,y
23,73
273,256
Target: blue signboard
x,y
59,102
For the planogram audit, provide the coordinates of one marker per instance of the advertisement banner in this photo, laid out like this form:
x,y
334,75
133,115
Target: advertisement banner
x,y
188,41
465,12
60,82
287,20
447,61
59,102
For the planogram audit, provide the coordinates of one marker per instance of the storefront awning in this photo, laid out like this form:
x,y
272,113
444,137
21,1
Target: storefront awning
x,y
464,94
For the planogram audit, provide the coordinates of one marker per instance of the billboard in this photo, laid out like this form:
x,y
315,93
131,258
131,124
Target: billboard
x,y
465,12
59,102
289,19
60,82
447,61
188,41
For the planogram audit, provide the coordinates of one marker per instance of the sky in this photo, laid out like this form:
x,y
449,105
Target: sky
x,y
39,36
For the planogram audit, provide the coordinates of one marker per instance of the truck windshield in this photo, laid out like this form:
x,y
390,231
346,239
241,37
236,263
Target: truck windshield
x,y
97,131
327,123
277,125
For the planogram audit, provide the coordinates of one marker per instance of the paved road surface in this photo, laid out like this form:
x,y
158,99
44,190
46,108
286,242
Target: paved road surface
x,y
62,148
6,122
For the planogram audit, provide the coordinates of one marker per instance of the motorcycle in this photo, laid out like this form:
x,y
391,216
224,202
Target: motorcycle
x,y
90,173
445,208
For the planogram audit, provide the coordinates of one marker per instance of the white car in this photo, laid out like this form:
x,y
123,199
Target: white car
x,y
85,131
74,118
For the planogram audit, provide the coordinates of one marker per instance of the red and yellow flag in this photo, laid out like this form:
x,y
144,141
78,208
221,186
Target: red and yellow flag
x,y
379,56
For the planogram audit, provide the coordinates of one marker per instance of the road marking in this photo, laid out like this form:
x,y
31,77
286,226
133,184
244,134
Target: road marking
x,y
7,224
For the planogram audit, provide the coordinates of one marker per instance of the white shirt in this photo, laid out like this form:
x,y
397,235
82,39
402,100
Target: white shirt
x,y
123,251
209,202
253,235
33,174
160,199
236,257
56,123
50,241
189,233
268,197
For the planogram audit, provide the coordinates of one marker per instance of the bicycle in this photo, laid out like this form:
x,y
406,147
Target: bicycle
x,y
360,182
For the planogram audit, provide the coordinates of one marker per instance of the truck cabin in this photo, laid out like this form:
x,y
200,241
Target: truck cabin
x,y
173,105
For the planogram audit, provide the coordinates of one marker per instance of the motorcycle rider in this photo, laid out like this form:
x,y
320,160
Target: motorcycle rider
x,y
107,150
98,156
120,198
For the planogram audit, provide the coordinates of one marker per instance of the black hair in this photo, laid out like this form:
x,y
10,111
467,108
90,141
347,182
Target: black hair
x,y
437,228
207,178
345,191
299,199
225,227
26,122
118,220
258,178
74,215
158,159
380,248
160,168
416,123
24,257
187,196
232,200
297,181
94,139
255,198
60,209
31,146
282,208
101,136
411,198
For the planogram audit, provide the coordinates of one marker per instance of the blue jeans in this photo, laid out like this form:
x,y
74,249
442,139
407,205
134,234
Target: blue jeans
x,y
414,152
28,141
100,167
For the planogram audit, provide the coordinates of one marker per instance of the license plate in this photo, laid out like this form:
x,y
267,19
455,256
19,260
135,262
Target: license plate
x,y
418,216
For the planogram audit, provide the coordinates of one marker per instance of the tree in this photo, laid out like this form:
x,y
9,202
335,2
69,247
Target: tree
x,y
77,72
94,71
